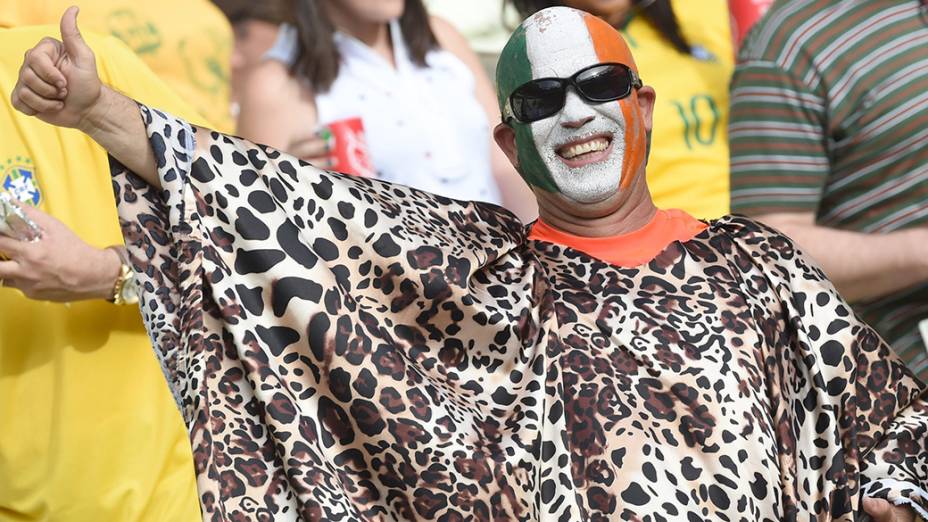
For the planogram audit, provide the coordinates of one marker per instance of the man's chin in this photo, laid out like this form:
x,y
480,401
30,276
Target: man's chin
x,y
592,199
591,182
606,189
593,204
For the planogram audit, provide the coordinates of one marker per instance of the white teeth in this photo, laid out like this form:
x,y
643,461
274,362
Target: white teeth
x,y
583,148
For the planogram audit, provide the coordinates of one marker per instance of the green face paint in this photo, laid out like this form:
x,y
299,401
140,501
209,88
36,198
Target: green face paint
x,y
513,70
587,151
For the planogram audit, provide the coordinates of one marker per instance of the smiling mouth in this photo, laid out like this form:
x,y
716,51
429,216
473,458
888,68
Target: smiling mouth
x,y
589,150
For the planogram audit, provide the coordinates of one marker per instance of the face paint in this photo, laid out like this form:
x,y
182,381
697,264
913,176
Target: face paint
x,y
514,69
587,151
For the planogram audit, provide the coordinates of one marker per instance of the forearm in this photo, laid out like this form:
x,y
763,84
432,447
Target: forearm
x,y
862,266
116,124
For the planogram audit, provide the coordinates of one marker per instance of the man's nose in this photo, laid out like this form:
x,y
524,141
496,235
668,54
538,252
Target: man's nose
x,y
576,112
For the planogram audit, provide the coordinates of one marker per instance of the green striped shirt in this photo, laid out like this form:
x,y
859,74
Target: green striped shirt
x,y
829,114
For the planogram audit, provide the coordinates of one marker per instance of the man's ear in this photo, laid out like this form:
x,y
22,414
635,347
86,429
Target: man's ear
x,y
646,98
505,137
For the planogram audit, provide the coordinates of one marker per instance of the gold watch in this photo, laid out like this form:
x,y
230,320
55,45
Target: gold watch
x,y
125,290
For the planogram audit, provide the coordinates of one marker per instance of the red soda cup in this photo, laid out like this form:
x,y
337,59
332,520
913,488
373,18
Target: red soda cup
x,y
349,151
743,14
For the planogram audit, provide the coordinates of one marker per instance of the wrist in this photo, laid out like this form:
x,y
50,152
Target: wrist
x,y
109,267
95,117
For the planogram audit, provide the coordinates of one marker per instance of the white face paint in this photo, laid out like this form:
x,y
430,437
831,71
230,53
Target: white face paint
x,y
595,131
590,176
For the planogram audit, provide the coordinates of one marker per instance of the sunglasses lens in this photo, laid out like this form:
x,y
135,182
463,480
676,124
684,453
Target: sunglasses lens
x,y
604,83
537,100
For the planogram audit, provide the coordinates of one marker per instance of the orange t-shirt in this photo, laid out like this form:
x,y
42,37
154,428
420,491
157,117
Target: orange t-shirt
x,y
631,249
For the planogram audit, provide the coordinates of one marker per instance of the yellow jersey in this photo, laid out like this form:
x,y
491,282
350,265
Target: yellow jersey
x,y
688,164
88,428
188,43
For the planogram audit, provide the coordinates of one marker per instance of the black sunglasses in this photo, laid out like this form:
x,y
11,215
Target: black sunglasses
x,y
545,97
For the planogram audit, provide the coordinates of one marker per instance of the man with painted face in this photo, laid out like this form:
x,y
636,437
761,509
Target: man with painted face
x,y
344,348
576,124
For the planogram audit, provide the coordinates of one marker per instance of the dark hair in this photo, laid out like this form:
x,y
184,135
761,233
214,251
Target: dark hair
x,y
271,11
658,13
317,59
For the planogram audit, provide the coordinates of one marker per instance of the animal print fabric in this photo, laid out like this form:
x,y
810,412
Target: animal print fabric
x,y
346,349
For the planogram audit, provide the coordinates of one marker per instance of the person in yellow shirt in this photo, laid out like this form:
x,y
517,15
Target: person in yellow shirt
x,y
88,428
684,50
188,43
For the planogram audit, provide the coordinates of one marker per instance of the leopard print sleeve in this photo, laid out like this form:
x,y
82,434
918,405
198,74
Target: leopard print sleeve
x,y
161,242
221,199
298,312
848,409
895,467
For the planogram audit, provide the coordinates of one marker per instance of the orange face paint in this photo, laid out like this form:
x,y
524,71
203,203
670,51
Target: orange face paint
x,y
610,47
587,151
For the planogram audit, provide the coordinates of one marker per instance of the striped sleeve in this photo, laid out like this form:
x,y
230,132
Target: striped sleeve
x,y
779,152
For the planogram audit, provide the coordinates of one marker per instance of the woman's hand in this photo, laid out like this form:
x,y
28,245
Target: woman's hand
x,y
58,81
315,149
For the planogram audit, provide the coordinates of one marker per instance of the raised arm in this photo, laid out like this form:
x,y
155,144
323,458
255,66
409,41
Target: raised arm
x,y
58,83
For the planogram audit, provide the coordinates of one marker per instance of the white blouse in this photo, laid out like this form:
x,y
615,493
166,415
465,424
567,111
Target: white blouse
x,y
424,125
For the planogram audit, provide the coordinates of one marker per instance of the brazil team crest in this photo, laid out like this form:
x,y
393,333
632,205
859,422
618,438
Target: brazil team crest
x,y
18,178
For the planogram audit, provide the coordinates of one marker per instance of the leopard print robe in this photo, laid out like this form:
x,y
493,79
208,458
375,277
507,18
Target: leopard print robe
x,y
347,349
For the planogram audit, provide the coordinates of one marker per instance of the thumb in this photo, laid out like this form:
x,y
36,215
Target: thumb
x,y
77,49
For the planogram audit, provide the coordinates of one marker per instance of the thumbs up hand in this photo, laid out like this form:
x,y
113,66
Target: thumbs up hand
x,y
58,81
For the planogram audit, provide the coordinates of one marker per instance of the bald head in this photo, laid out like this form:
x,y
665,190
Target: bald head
x,y
576,125
556,42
